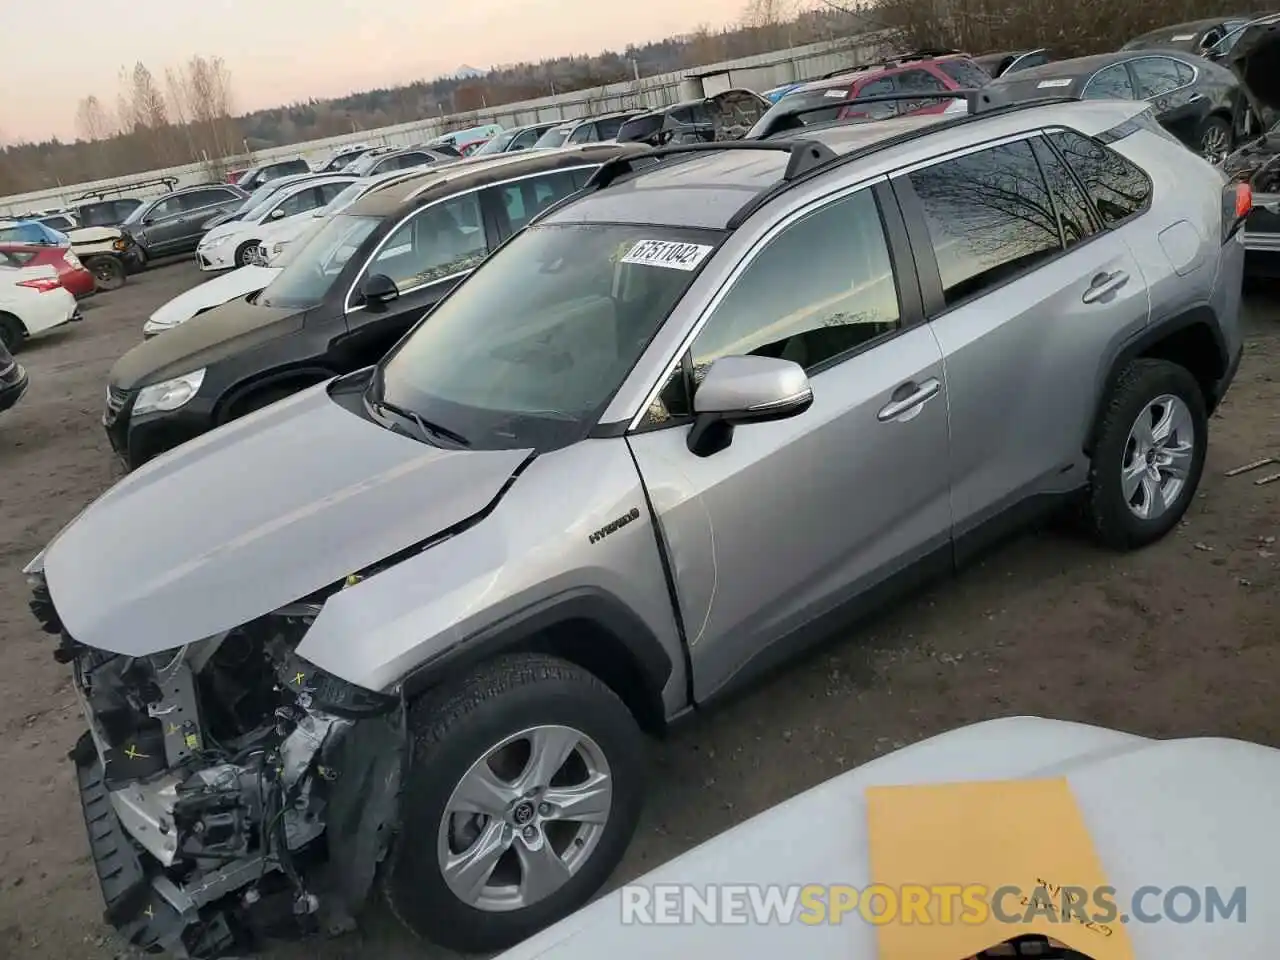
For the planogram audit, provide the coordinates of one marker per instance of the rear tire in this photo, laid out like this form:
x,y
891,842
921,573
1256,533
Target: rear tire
x,y
108,272
1216,138
493,727
12,332
1153,433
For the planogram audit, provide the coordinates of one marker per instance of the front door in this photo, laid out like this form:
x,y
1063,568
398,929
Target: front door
x,y
797,517
161,228
425,257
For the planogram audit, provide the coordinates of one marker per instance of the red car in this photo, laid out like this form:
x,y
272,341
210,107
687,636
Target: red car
x,y
921,73
72,274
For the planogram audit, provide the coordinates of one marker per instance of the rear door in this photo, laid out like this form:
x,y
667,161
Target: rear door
x,y
199,206
425,256
1026,287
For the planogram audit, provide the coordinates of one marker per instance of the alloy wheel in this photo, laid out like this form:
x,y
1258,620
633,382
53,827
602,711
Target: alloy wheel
x,y
525,818
1213,144
1157,457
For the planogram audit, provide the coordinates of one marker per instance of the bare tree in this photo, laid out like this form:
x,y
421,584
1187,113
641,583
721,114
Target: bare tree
x,y
93,123
771,21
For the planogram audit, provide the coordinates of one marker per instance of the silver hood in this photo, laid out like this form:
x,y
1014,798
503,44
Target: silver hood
x,y
252,516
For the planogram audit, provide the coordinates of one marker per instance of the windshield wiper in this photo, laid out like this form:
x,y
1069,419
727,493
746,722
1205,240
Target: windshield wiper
x,y
427,429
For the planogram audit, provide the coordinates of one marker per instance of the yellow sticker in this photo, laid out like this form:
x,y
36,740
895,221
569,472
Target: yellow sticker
x,y
991,837
174,729
133,753
298,678
193,742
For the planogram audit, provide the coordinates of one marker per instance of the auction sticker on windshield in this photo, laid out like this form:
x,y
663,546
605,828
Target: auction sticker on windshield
x,y
667,253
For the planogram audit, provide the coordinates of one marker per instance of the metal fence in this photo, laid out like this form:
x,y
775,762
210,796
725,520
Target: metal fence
x,y
760,72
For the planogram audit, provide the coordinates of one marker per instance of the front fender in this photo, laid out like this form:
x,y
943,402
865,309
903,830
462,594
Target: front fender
x,y
529,564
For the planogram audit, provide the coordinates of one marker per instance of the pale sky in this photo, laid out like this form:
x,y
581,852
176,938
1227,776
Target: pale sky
x,y
284,50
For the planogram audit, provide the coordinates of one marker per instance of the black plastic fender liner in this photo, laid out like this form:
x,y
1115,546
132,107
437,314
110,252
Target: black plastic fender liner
x,y
596,606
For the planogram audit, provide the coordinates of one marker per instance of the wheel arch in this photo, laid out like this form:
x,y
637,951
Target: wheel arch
x,y
587,627
1191,339
299,376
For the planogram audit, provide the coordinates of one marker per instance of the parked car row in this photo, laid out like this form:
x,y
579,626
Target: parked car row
x,y
461,453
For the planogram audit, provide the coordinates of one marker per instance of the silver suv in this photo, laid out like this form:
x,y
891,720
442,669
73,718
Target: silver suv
x,y
417,620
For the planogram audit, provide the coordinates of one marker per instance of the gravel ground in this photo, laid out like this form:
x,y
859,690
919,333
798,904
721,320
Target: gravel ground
x,y
1178,640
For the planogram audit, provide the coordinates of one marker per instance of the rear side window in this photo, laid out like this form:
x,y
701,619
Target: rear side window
x,y
525,199
1030,60
879,87
608,128
989,217
1157,76
1068,197
918,81
966,74
584,133
1118,188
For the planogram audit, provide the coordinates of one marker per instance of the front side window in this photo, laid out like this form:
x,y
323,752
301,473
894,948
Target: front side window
x,y
524,140
1110,84
555,137
306,280
439,241
608,128
989,217
1118,188
294,204
1157,76
200,199
919,81
583,133
529,350
822,287
168,207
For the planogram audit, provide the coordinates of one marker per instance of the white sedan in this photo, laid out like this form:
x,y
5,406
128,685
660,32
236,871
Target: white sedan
x,y
235,243
32,300
1124,848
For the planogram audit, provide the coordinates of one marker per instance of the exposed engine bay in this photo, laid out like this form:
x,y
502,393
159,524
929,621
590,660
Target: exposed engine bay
x,y
232,791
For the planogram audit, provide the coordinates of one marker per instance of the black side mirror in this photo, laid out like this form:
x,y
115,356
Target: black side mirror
x,y
378,289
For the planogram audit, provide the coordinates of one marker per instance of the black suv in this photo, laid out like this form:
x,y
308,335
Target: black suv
x,y
365,277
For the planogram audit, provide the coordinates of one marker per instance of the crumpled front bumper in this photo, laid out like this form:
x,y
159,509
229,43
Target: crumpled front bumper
x,y
151,912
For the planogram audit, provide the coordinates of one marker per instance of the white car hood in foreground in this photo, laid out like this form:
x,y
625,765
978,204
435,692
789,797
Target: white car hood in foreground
x,y
212,293
1162,813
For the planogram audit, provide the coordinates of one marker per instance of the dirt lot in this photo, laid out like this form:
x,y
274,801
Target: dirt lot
x,y
1179,640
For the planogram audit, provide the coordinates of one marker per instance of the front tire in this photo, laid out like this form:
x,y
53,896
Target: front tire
x,y
1149,454
524,789
244,253
108,272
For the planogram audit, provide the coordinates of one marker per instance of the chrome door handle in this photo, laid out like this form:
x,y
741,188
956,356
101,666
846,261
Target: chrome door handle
x,y
1104,284
922,393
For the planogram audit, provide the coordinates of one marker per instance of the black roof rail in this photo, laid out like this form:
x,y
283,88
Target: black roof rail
x,y
167,182
981,105
979,100
805,155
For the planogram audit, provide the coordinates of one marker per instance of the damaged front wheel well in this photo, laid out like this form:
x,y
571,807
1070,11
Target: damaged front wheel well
x,y
632,664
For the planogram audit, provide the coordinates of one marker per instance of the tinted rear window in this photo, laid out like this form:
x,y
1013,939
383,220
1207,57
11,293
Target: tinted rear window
x,y
638,128
967,74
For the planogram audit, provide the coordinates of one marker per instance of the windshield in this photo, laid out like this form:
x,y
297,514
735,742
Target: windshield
x,y
135,214
349,195
498,144
555,137
362,165
641,128
530,348
805,99
313,268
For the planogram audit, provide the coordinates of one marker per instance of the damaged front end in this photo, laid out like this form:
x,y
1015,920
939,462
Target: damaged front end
x,y
232,791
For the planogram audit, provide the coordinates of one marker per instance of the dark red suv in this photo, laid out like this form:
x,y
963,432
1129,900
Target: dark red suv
x,y
898,77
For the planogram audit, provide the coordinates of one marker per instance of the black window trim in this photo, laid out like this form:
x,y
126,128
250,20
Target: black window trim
x,y
498,211
1048,132
1128,72
902,265
1097,225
